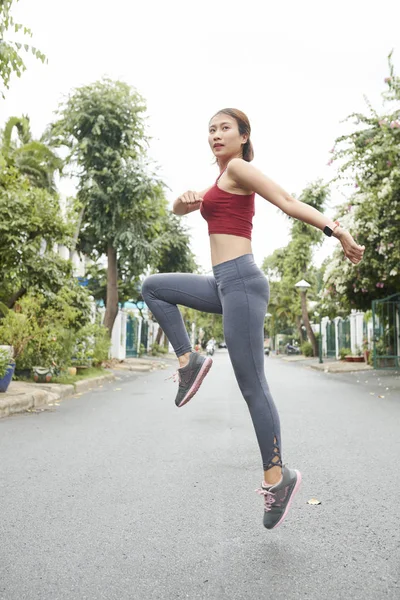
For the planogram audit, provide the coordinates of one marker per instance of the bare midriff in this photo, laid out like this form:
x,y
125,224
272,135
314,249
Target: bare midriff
x,y
227,247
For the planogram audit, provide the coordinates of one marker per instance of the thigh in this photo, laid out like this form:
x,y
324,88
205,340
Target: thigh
x,y
244,308
194,291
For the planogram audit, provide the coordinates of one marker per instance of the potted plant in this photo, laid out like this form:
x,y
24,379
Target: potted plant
x,y
82,357
7,366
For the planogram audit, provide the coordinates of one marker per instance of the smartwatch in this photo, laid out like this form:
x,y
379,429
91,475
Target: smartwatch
x,y
328,231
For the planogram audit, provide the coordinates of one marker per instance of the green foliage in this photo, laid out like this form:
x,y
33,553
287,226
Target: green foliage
x,y
307,349
370,158
343,352
30,226
5,362
32,158
11,60
156,349
288,265
124,210
45,329
102,344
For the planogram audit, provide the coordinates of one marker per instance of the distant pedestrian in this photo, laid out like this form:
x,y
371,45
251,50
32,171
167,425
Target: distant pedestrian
x,y
238,290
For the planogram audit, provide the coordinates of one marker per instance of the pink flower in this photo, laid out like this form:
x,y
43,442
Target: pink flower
x,y
380,284
356,185
330,162
332,150
389,163
388,79
364,290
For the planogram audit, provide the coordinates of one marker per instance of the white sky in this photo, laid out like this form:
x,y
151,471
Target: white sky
x,y
296,68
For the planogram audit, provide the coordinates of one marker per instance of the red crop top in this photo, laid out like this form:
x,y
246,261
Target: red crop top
x,y
228,213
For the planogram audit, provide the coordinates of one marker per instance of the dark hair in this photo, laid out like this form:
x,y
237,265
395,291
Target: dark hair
x,y
244,129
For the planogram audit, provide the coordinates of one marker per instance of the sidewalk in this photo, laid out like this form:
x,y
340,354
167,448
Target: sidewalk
x,y
26,396
328,365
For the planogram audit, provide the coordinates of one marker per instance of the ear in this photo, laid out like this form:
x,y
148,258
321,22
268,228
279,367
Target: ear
x,y
245,139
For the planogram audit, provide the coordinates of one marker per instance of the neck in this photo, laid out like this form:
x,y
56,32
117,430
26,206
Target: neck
x,y
223,163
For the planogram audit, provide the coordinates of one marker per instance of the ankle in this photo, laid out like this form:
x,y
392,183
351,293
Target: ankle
x,y
183,360
273,476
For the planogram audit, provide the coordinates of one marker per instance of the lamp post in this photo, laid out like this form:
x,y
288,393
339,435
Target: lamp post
x,y
303,286
317,314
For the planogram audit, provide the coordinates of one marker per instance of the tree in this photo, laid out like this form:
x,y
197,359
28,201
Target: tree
x,y
123,203
30,227
11,60
369,159
33,158
288,265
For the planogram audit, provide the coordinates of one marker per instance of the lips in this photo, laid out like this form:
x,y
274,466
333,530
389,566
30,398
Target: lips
x,y
218,146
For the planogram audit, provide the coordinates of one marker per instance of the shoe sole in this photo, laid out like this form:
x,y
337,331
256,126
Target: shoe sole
x,y
296,489
205,367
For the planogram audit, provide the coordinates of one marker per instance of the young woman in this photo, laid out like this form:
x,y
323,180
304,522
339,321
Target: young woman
x,y
238,290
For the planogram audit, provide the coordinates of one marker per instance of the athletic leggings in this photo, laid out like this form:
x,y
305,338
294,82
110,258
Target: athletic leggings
x,y
240,292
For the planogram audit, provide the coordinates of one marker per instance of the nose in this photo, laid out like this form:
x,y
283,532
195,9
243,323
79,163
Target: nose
x,y
216,136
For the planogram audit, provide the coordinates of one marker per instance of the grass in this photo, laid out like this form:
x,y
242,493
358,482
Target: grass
x,y
89,373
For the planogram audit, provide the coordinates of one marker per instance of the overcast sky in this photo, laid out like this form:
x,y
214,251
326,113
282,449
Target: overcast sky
x,y
296,68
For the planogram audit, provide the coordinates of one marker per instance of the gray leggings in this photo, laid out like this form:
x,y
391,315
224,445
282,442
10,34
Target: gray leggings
x,y
240,292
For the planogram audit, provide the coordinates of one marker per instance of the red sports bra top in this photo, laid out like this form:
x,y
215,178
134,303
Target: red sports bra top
x,y
228,213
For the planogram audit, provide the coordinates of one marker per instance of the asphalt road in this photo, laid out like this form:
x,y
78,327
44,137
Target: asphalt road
x,y
119,495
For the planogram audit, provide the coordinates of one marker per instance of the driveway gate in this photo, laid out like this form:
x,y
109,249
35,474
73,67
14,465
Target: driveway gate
x,y
386,324
344,334
132,330
330,339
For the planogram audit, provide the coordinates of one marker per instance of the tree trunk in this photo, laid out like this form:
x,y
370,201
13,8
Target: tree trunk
x,y
310,333
159,335
112,289
76,234
15,297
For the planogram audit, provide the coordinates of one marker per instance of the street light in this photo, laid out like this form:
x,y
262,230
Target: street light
x,y
317,314
303,286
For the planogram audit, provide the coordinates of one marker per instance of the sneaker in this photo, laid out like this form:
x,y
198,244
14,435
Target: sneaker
x,y
278,497
191,377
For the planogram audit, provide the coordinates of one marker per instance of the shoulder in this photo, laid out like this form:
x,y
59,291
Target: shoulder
x,y
237,165
242,173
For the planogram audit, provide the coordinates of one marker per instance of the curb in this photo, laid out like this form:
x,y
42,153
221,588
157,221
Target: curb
x,y
331,368
45,394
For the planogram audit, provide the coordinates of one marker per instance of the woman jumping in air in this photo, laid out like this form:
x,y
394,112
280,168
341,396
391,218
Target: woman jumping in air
x,y
238,290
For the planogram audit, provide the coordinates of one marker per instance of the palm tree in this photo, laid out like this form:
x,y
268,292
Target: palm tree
x,y
33,158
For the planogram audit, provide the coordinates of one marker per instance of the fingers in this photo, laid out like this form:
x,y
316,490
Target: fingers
x,y
355,253
190,198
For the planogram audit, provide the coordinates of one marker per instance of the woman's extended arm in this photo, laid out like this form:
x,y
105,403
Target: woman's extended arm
x,y
247,176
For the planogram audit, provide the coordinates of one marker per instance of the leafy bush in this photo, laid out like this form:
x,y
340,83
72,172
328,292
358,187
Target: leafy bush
x,y
44,329
157,349
5,362
307,349
343,352
102,343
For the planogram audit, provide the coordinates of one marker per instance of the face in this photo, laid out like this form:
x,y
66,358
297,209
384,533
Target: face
x,y
224,138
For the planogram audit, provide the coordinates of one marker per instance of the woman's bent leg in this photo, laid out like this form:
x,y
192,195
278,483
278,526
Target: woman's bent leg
x,y
163,291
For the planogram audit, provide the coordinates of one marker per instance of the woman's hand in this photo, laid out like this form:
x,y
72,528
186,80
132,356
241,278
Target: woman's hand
x,y
187,202
352,250
190,198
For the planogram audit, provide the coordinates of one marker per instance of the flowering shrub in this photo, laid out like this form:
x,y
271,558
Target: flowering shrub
x,y
369,158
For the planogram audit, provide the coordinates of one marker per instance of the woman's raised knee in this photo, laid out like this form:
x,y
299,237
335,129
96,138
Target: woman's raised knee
x,y
149,285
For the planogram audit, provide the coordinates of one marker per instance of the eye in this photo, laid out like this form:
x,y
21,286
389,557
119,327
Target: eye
x,y
225,127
